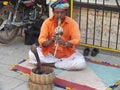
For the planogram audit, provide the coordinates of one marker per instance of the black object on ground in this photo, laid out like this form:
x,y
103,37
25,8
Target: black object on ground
x,y
86,51
94,52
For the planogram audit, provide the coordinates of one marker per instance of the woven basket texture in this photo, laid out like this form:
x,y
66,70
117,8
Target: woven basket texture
x,y
43,78
34,86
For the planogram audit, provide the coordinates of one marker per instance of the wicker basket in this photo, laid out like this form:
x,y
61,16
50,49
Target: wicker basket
x,y
34,86
43,78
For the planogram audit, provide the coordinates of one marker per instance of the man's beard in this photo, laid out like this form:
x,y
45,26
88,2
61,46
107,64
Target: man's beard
x,y
62,19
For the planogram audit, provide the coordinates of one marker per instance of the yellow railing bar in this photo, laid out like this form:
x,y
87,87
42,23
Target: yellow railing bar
x,y
71,8
102,48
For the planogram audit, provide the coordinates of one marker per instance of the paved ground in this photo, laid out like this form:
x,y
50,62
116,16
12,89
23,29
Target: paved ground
x,y
11,54
14,52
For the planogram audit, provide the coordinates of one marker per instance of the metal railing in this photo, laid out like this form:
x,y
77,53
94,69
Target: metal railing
x,y
99,23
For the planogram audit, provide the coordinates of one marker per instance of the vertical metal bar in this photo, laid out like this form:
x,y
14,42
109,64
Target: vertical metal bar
x,y
109,29
118,32
94,24
87,23
71,8
118,4
80,16
117,38
16,9
102,24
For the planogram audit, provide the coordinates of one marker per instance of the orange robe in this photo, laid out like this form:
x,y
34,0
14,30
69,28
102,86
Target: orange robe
x,y
71,33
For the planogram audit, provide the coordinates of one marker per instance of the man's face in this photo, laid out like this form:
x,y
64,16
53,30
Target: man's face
x,y
60,13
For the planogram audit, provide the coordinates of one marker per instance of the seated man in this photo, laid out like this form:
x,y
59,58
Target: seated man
x,y
58,40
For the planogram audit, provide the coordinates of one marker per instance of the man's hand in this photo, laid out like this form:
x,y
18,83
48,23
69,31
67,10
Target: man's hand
x,y
59,40
68,44
48,42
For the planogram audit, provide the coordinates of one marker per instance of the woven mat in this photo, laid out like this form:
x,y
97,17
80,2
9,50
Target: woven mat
x,y
98,75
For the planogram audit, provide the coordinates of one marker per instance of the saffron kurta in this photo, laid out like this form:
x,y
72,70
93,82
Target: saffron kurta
x,y
71,33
